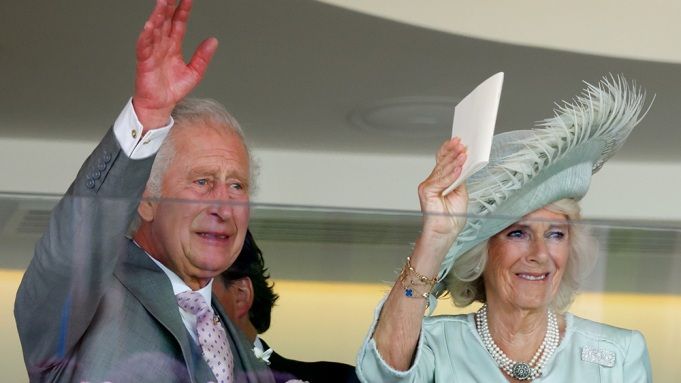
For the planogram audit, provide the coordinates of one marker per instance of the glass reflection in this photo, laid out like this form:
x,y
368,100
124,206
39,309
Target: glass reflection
x,y
332,266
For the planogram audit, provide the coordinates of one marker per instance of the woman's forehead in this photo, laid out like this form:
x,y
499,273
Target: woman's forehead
x,y
543,215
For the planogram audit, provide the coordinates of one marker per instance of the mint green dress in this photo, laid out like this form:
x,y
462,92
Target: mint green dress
x,y
450,350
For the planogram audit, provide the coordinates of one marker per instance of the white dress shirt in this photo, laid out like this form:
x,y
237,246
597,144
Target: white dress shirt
x,y
128,131
179,286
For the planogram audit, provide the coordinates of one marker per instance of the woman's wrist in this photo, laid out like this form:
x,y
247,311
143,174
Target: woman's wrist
x,y
436,242
429,252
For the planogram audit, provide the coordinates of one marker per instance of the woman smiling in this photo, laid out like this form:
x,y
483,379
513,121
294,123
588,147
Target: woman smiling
x,y
510,239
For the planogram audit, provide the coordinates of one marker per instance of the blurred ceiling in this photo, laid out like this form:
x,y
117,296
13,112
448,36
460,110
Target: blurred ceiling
x,y
635,29
298,73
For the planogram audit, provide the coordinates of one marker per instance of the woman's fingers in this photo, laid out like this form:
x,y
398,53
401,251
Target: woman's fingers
x,y
451,156
452,169
447,147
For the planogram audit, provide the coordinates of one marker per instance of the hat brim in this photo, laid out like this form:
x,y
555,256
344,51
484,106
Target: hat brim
x,y
530,169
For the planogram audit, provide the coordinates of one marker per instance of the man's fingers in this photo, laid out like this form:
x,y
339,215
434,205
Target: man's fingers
x,y
167,22
156,39
150,34
144,46
158,14
202,56
179,21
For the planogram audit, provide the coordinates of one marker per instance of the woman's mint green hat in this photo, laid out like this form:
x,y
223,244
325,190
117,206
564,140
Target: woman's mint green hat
x,y
529,169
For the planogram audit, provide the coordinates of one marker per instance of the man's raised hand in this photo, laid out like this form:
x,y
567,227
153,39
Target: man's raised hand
x,y
162,77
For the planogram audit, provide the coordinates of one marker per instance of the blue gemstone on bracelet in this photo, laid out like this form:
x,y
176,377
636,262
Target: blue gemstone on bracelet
x,y
409,292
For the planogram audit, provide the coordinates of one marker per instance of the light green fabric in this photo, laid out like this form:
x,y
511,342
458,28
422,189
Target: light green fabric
x,y
529,169
450,350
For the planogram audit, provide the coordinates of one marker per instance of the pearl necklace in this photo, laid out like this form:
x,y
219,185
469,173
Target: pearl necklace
x,y
519,370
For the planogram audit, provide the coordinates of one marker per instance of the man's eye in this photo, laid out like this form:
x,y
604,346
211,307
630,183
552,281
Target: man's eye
x,y
237,186
201,182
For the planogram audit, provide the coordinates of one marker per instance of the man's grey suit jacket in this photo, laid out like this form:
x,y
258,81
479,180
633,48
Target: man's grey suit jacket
x,y
92,307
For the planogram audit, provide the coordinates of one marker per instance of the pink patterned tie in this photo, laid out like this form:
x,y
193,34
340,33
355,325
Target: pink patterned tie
x,y
212,336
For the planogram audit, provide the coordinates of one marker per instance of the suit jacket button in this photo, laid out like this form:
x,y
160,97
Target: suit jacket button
x,y
107,157
101,166
96,174
90,184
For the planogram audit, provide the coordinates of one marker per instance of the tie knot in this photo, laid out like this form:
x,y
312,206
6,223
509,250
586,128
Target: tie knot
x,y
194,303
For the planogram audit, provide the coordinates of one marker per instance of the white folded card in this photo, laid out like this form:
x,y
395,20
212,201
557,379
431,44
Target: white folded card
x,y
474,120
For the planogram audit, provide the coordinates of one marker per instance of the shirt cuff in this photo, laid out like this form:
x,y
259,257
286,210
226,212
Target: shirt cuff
x,y
128,132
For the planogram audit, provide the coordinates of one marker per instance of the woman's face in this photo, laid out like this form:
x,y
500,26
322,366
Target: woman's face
x,y
527,260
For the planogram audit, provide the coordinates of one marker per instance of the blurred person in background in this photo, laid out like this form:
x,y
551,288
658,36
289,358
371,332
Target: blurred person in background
x,y
245,292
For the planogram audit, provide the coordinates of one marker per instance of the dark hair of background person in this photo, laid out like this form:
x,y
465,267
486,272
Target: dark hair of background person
x,y
250,264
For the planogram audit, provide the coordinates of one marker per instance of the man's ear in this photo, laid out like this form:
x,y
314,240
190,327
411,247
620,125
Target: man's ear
x,y
243,288
146,208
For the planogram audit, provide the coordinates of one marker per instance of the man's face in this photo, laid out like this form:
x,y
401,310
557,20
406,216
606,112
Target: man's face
x,y
198,226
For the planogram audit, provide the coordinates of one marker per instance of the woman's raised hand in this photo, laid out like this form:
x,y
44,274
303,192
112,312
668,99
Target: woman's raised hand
x,y
444,216
399,326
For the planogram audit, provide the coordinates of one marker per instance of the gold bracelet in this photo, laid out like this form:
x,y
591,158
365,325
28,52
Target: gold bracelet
x,y
412,281
421,277
410,291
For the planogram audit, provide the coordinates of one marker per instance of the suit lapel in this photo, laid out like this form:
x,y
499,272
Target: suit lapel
x,y
245,363
152,288
280,366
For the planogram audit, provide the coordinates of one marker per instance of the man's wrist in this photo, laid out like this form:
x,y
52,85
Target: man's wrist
x,y
151,118
129,134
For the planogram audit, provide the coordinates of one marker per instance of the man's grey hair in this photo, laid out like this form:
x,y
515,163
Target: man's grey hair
x,y
465,281
187,112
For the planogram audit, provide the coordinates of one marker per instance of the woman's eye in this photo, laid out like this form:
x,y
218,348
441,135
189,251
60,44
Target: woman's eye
x,y
556,234
516,234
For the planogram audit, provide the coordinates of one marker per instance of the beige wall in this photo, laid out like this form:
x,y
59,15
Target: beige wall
x,y
326,321
339,319
11,363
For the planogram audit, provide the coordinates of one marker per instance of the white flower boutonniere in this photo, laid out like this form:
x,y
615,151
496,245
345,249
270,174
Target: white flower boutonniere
x,y
263,355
